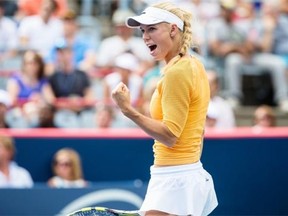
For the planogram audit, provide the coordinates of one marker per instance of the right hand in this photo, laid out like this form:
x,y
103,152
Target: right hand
x,y
121,96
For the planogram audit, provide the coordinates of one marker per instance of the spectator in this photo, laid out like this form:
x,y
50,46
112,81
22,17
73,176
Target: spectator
x,y
104,116
212,116
84,55
8,38
46,116
39,32
32,7
203,12
30,83
123,41
69,83
242,44
67,170
243,10
277,39
264,117
11,175
280,42
271,59
126,65
28,90
10,7
220,114
225,39
5,104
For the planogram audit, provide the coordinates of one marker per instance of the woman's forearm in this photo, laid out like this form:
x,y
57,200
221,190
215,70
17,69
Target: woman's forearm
x,y
156,129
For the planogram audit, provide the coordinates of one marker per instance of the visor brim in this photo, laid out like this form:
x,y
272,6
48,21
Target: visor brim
x,y
136,21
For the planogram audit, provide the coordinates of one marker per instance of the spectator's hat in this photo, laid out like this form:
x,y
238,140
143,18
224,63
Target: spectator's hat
x,y
127,61
120,15
228,4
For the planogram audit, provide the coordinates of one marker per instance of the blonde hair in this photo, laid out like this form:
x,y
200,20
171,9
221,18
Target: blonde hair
x,y
8,143
265,110
76,167
186,17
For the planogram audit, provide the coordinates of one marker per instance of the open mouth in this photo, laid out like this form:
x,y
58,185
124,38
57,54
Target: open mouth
x,y
152,47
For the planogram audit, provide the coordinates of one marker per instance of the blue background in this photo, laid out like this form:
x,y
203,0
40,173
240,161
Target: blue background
x,y
250,174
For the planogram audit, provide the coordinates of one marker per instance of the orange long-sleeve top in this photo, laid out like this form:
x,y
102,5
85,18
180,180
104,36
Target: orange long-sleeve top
x,y
180,101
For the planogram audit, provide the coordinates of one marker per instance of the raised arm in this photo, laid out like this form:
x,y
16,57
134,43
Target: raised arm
x,y
156,129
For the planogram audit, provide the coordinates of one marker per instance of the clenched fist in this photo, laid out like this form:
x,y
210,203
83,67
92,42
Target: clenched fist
x,y
121,96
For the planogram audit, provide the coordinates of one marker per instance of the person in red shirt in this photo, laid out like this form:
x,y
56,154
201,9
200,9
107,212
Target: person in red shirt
x,y
32,7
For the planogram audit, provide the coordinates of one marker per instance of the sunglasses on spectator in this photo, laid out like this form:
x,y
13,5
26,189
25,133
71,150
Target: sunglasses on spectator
x,y
63,163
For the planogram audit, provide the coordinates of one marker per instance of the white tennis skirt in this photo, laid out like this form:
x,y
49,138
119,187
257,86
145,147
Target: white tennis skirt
x,y
180,190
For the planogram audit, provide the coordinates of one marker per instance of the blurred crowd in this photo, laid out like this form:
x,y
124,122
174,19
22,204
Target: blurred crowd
x,y
58,66
66,168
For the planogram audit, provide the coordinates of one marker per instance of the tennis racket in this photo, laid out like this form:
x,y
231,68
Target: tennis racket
x,y
102,211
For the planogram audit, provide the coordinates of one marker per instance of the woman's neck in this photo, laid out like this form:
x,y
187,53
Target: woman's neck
x,y
175,51
30,80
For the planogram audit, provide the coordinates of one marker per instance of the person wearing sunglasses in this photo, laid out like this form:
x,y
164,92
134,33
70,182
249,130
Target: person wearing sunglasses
x,y
67,170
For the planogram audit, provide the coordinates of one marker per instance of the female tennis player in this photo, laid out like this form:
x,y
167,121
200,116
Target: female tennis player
x,y
179,185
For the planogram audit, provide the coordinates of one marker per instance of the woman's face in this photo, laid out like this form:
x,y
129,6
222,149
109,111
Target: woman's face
x,y
5,154
264,119
63,166
70,27
31,66
158,39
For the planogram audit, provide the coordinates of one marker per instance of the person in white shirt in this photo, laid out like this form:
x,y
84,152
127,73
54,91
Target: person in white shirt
x,y
126,66
220,112
67,170
8,37
124,40
11,174
40,32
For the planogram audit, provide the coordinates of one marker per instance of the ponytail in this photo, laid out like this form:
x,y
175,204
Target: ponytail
x,y
186,17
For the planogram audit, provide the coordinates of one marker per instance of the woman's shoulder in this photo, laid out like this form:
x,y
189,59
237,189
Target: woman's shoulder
x,y
186,64
16,76
54,179
80,74
16,79
193,59
21,171
57,181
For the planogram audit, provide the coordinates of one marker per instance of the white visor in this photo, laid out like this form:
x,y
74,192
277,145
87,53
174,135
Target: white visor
x,y
153,15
